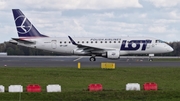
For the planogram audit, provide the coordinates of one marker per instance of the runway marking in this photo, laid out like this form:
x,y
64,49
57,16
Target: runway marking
x,y
77,59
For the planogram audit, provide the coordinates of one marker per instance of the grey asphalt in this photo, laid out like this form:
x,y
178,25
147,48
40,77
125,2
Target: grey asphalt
x,y
71,61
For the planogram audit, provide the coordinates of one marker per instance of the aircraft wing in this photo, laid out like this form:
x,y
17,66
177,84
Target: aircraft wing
x,y
88,48
23,41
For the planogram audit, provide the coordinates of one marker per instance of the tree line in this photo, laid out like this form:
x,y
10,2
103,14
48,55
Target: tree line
x,y
12,49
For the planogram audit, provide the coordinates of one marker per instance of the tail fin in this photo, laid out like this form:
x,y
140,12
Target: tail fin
x,y
24,26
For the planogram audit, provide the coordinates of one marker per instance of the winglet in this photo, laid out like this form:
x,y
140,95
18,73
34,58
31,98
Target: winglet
x,y
73,42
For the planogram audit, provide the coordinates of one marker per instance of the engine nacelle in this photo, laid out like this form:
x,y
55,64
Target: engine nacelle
x,y
113,54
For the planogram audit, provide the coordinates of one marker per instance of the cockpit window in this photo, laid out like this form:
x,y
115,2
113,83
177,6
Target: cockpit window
x,y
160,41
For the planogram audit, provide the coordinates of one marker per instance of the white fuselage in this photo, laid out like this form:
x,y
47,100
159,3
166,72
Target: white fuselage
x,y
125,45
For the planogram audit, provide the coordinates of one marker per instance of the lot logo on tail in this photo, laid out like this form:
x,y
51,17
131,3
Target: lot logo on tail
x,y
23,25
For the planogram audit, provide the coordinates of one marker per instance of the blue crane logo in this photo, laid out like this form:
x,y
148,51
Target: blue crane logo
x,y
23,25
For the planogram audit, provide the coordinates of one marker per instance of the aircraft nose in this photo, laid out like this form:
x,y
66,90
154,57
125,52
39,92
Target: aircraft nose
x,y
170,49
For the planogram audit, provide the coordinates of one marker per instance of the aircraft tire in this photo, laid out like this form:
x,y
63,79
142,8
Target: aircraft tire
x,y
92,59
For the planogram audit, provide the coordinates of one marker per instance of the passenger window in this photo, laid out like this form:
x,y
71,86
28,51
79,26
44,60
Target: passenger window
x,y
87,42
114,41
64,41
105,41
101,41
95,41
91,41
60,42
109,41
78,42
82,41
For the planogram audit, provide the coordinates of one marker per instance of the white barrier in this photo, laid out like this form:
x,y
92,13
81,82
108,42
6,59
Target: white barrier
x,y
15,88
2,89
133,86
53,88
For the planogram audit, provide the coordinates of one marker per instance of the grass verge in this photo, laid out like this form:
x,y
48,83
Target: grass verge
x,y
74,83
166,59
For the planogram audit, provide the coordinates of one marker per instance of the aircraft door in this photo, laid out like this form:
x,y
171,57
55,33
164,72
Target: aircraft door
x,y
148,45
53,44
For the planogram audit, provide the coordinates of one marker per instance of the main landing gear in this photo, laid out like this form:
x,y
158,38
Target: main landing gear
x,y
92,58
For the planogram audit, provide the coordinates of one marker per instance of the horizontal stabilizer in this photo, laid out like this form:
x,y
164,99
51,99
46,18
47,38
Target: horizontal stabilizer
x,y
23,41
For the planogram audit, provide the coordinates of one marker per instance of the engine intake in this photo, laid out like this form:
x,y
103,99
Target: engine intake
x,y
113,54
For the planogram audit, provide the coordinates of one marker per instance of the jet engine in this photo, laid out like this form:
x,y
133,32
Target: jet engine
x,y
113,54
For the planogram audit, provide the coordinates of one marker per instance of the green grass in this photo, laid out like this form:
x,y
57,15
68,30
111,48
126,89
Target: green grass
x,y
166,59
74,83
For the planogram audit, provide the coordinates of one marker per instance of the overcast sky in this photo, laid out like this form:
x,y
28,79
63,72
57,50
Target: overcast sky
x,y
95,18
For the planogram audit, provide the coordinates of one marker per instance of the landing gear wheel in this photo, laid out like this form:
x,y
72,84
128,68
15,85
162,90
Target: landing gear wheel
x,y
92,59
150,59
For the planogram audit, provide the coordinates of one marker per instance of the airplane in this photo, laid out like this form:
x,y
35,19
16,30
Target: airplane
x,y
111,48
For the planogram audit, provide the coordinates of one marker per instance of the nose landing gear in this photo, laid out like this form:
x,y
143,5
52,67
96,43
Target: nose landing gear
x,y
92,59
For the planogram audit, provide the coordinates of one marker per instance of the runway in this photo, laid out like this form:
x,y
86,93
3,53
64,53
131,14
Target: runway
x,y
71,61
